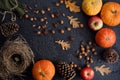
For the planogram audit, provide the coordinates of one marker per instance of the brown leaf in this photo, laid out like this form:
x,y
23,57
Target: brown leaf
x,y
74,22
64,45
103,70
72,6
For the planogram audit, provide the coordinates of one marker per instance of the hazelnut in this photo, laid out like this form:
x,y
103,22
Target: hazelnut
x,y
55,25
71,38
61,1
93,49
39,27
61,22
53,31
36,5
90,43
81,25
31,19
74,65
57,4
87,58
42,19
33,26
52,15
62,31
48,8
26,16
80,56
35,18
68,29
82,49
42,12
95,53
79,68
38,32
45,32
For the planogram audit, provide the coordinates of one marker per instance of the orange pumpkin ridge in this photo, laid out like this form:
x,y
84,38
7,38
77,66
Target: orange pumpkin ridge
x,y
43,70
105,38
110,13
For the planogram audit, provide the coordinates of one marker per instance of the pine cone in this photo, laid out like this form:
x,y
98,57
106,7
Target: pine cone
x,y
111,56
8,29
66,71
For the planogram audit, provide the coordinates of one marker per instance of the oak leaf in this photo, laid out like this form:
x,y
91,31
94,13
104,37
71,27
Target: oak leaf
x,y
72,6
74,22
64,45
103,70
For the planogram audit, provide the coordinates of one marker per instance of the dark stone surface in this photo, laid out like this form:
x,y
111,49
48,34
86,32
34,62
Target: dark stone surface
x,y
44,47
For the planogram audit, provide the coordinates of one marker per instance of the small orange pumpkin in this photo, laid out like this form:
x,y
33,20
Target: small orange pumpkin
x,y
43,70
110,13
105,37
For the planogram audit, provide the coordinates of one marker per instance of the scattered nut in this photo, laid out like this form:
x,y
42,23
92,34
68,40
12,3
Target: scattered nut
x,y
38,32
57,4
45,32
87,58
26,16
35,18
36,5
61,22
87,51
55,25
63,14
81,25
52,15
62,31
39,27
42,19
57,14
36,12
33,26
71,38
42,12
74,65
87,47
90,43
82,43
93,49
82,49
80,56
53,31
29,7
68,29
31,19
79,68
61,1
48,9
95,53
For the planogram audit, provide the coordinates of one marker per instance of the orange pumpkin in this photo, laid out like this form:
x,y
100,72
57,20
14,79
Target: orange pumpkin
x,y
43,70
110,13
105,37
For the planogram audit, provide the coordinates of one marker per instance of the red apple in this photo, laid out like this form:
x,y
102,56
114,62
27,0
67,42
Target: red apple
x,y
95,23
87,73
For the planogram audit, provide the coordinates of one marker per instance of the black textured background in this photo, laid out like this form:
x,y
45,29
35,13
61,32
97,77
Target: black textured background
x,y
44,47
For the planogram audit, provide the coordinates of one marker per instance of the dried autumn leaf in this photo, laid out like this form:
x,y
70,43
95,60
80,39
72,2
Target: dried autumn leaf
x,y
64,45
74,22
72,6
103,70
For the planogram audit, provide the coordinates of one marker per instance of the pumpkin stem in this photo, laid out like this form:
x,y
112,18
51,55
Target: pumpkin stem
x,y
114,12
42,73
